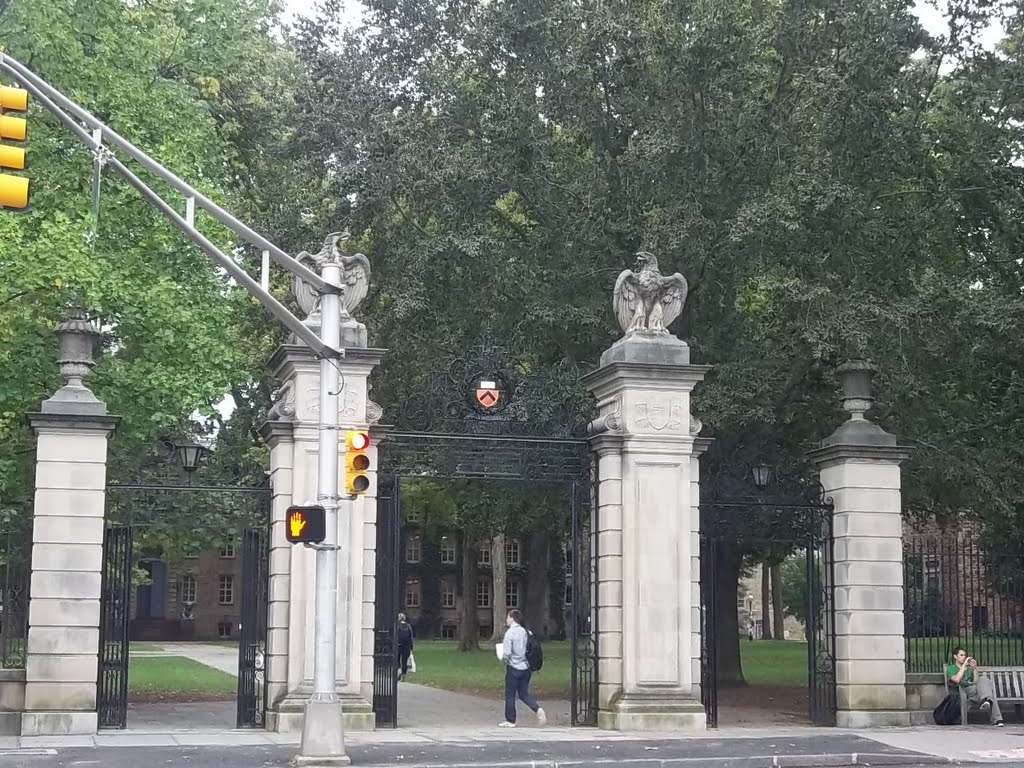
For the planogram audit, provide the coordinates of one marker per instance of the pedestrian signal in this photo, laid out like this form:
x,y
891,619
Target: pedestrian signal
x,y
13,189
357,463
305,525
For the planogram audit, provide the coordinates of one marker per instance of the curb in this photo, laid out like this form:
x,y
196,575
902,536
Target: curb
x,y
765,761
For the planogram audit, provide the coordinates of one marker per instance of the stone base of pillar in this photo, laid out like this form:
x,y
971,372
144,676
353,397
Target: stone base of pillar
x,y
288,715
59,723
654,712
872,718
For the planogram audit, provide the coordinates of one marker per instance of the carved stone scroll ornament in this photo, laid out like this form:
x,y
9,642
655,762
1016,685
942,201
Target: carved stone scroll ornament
x,y
647,301
284,403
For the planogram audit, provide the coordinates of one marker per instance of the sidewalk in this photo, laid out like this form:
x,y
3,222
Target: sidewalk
x,y
525,748
550,747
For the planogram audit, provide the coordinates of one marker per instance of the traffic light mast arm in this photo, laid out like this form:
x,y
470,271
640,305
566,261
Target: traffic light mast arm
x,y
56,103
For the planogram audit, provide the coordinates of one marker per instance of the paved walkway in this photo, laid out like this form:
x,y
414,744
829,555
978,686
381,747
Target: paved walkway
x,y
222,657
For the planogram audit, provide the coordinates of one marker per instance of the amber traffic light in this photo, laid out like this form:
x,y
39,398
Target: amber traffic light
x,y
13,189
357,463
305,525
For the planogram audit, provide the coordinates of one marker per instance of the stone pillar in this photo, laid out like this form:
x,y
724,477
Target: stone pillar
x,y
860,471
648,599
278,432
292,433
72,429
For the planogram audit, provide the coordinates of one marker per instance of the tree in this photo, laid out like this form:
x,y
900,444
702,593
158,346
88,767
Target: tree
x,y
827,183
179,82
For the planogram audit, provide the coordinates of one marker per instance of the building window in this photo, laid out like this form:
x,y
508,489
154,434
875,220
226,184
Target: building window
x,y
568,557
226,590
979,618
412,593
512,551
413,516
227,552
447,631
568,593
447,594
485,553
931,573
448,550
187,589
483,593
413,549
512,594
486,631
224,630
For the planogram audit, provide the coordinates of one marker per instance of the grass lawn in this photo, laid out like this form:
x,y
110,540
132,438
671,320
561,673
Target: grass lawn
x,y
175,678
774,662
929,654
440,664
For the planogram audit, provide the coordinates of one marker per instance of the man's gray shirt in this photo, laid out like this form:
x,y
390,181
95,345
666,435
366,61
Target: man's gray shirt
x,y
514,651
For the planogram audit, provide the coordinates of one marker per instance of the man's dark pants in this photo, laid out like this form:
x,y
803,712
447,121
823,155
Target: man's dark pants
x,y
517,683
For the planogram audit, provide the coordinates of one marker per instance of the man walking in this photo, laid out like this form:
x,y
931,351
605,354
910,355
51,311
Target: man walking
x,y
517,671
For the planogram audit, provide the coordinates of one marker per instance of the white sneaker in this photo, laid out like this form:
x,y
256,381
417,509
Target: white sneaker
x,y
986,705
541,717
506,724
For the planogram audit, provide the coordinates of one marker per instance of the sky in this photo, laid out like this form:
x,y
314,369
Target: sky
x,y
931,18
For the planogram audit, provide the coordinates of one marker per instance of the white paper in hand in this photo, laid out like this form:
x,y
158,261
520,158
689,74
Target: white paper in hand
x,y
499,650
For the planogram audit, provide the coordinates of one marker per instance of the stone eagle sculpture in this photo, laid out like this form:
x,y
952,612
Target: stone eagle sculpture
x,y
646,301
355,268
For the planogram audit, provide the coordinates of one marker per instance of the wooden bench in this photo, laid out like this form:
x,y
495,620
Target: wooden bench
x,y
1008,683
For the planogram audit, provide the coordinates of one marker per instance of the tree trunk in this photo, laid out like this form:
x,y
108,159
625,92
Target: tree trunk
x,y
779,616
766,602
728,562
499,569
535,599
469,622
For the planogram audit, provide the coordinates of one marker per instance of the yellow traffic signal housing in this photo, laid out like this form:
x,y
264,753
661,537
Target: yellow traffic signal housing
x,y
14,190
357,463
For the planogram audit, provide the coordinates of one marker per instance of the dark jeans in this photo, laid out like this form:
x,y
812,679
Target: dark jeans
x,y
517,683
403,658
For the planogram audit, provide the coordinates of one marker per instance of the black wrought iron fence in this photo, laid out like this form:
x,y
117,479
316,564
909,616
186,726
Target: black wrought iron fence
x,y
15,572
960,595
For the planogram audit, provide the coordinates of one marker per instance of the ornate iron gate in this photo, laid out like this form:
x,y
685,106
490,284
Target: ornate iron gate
x,y
806,528
252,641
115,612
385,650
238,515
499,415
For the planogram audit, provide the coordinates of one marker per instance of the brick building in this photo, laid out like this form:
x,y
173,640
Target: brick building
x,y
539,582
197,598
954,587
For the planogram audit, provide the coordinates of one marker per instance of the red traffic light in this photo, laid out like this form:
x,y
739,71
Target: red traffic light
x,y
357,441
305,525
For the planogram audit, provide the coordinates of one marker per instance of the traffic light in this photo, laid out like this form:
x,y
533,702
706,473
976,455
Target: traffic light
x,y
305,525
13,189
357,463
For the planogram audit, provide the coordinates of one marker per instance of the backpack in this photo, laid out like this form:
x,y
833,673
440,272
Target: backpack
x,y
404,635
534,653
948,711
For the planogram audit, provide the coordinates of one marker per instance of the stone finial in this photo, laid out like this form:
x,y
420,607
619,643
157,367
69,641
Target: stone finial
x,y
855,376
77,337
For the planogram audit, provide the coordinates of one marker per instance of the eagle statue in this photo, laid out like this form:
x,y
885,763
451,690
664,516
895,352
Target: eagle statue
x,y
355,276
646,301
